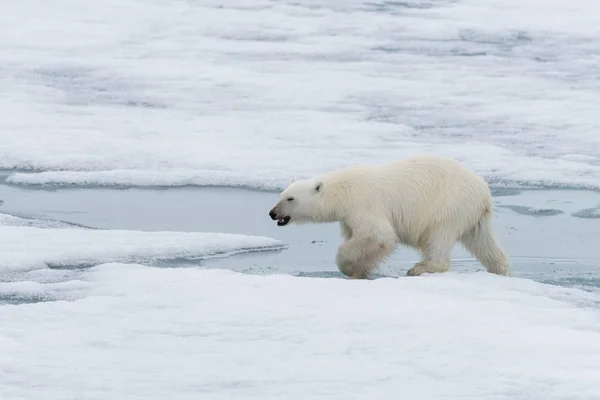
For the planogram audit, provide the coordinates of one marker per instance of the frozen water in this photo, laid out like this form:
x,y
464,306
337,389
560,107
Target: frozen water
x,y
239,93
139,332
254,93
149,333
593,213
12,220
542,212
34,254
25,248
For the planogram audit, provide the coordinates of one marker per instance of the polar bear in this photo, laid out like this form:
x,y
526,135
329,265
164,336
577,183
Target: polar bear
x,y
425,202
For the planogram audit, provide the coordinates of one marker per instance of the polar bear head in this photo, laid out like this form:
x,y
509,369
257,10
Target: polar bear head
x,y
301,202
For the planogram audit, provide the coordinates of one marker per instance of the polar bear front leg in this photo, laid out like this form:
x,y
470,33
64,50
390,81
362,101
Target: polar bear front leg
x,y
352,264
360,254
345,231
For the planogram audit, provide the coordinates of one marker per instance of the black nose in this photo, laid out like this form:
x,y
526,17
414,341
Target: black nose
x,y
273,214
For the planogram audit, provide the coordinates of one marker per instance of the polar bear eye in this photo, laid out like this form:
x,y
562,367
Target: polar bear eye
x,y
290,199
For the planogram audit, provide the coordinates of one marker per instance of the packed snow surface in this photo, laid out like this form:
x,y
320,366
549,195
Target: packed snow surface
x,y
149,333
42,260
25,247
255,93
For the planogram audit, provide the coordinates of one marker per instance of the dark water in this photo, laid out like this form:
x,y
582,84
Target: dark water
x,y
550,235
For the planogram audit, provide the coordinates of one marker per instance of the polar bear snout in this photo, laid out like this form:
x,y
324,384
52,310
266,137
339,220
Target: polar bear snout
x,y
273,214
281,220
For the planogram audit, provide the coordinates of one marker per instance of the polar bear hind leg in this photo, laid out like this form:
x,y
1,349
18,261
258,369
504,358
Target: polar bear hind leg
x,y
436,248
482,243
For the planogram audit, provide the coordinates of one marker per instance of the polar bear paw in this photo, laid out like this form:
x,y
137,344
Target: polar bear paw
x,y
424,267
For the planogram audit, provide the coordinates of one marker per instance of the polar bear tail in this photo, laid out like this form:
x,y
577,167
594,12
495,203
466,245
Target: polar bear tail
x,y
482,243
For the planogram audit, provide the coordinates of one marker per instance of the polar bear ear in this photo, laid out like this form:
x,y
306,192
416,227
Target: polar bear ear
x,y
318,187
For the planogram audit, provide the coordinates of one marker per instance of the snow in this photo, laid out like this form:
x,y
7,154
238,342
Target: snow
x,y
42,260
237,93
25,248
150,333
240,93
12,220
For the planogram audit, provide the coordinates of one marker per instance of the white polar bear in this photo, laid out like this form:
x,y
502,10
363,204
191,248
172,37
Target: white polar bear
x,y
425,202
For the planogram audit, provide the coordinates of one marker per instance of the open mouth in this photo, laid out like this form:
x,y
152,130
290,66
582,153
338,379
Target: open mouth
x,y
283,221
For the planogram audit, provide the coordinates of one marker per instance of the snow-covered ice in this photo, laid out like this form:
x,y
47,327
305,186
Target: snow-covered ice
x,y
150,333
254,93
25,248
34,254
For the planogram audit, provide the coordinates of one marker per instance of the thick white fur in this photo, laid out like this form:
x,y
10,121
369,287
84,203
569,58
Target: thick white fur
x,y
426,202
